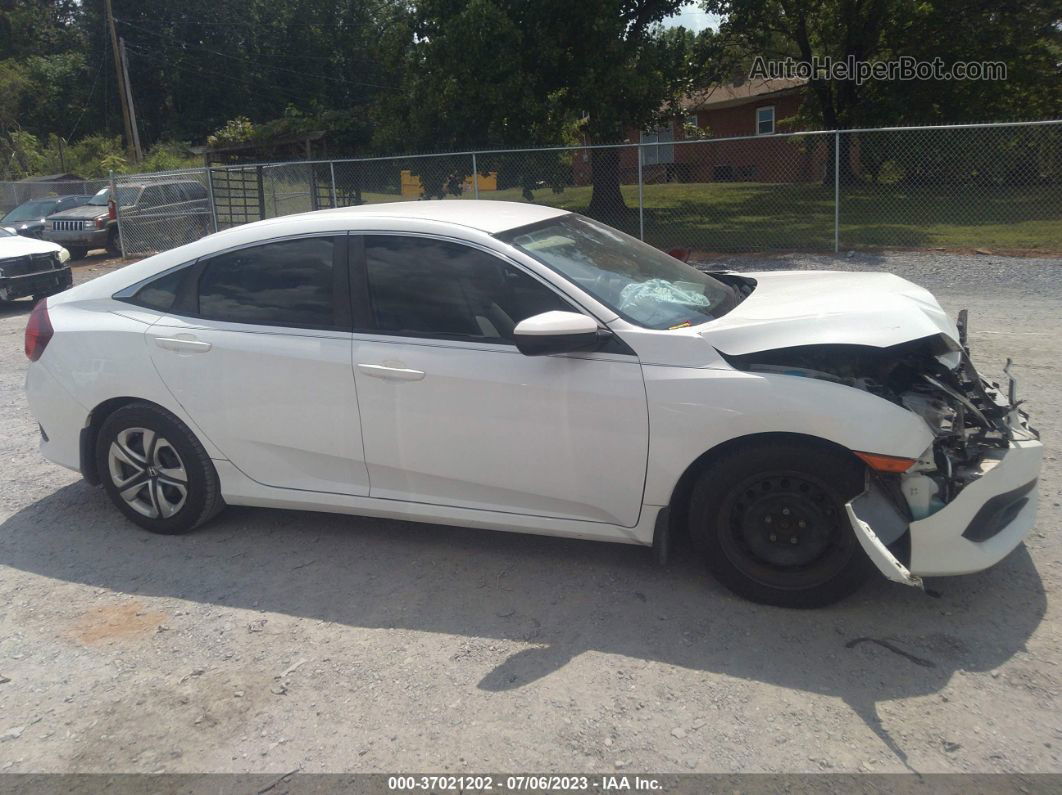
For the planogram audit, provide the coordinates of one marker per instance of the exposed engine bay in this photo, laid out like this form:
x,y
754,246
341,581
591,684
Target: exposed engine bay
x,y
932,377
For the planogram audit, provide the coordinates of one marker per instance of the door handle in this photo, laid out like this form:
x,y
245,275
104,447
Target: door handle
x,y
391,373
183,343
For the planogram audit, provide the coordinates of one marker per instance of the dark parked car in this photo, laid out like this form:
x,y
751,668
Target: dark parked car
x,y
156,204
29,217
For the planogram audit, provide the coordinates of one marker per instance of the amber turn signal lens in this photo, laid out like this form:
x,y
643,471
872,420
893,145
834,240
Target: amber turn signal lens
x,y
886,463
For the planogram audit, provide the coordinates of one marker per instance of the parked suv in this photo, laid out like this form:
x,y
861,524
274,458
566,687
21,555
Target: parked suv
x,y
28,219
95,225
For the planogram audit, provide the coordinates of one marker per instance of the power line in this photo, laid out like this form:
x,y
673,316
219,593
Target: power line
x,y
252,61
88,100
250,85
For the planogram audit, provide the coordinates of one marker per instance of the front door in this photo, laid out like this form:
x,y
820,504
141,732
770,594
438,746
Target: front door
x,y
452,414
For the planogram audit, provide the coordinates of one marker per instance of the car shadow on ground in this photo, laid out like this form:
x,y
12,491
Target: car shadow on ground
x,y
20,306
561,597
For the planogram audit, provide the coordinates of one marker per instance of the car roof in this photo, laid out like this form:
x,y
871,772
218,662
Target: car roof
x,y
491,217
57,198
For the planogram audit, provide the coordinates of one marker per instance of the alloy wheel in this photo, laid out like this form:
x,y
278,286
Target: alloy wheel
x,y
148,473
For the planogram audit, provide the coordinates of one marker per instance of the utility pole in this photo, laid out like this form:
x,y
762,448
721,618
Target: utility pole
x,y
123,94
139,153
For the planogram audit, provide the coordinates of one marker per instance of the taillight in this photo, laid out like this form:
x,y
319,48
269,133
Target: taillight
x,y
112,210
38,331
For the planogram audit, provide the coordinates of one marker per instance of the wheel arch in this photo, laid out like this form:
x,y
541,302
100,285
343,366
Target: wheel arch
x,y
678,504
91,431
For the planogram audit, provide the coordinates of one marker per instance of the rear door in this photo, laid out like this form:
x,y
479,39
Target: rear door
x,y
257,350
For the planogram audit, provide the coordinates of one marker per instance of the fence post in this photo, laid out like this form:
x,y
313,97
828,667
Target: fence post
x,y
315,200
641,198
836,191
475,177
261,194
332,171
213,204
117,214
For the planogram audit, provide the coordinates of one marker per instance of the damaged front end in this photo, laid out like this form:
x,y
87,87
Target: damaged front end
x,y
970,498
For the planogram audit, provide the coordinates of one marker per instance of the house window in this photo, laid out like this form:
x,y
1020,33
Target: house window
x,y
661,148
691,120
765,120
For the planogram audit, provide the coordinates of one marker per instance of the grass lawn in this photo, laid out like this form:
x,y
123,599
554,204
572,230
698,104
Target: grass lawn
x,y
742,216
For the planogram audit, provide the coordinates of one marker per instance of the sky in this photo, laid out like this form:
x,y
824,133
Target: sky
x,y
693,17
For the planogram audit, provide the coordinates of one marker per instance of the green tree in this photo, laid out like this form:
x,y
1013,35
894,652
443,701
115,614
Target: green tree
x,y
1026,35
491,73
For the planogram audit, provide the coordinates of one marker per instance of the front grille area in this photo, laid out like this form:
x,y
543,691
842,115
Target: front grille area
x,y
32,263
70,226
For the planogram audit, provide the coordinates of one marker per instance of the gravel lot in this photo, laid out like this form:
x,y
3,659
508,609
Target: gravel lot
x,y
276,641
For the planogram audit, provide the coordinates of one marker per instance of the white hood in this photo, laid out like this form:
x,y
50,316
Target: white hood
x,y
792,308
19,246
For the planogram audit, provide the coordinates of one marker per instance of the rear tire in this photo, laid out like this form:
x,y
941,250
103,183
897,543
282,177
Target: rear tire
x,y
155,471
114,243
770,521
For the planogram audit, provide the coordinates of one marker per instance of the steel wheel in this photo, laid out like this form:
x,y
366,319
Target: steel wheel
x,y
148,473
783,529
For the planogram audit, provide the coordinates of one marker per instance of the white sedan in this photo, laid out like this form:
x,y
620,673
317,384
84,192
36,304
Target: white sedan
x,y
522,368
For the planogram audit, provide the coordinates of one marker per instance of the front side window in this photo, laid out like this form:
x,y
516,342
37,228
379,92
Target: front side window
x,y
640,283
433,288
284,283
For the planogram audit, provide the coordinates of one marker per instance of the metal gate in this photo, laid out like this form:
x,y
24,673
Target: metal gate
x,y
239,195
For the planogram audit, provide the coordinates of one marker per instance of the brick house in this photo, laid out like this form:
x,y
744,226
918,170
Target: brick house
x,y
750,113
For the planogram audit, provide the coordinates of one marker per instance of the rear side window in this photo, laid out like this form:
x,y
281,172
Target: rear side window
x,y
161,293
285,283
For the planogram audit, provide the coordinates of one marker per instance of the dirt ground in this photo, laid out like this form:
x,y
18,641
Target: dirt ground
x,y
279,641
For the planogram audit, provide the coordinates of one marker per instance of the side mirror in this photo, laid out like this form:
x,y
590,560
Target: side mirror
x,y
558,332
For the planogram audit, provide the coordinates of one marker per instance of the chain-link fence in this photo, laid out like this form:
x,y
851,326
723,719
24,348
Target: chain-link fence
x,y
13,194
996,186
156,212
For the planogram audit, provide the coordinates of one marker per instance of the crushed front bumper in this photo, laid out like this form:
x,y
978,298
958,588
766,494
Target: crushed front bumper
x,y
41,283
977,529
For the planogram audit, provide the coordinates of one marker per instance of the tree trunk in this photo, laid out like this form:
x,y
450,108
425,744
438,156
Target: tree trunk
x,y
606,201
847,174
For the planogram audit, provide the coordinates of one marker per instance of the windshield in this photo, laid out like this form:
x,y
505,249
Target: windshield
x,y
31,211
5,233
640,283
126,196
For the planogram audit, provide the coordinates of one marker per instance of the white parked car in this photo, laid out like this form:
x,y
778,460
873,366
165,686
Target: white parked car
x,y
31,268
516,367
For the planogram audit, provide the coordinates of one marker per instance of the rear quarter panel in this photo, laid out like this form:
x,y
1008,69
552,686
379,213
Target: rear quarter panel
x,y
99,352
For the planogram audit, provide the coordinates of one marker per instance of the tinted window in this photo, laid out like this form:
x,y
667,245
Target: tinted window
x,y
161,293
171,194
287,283
433,288
151,197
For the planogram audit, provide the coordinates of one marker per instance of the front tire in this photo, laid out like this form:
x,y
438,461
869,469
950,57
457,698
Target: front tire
x,y
77,252
155,471
769,520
